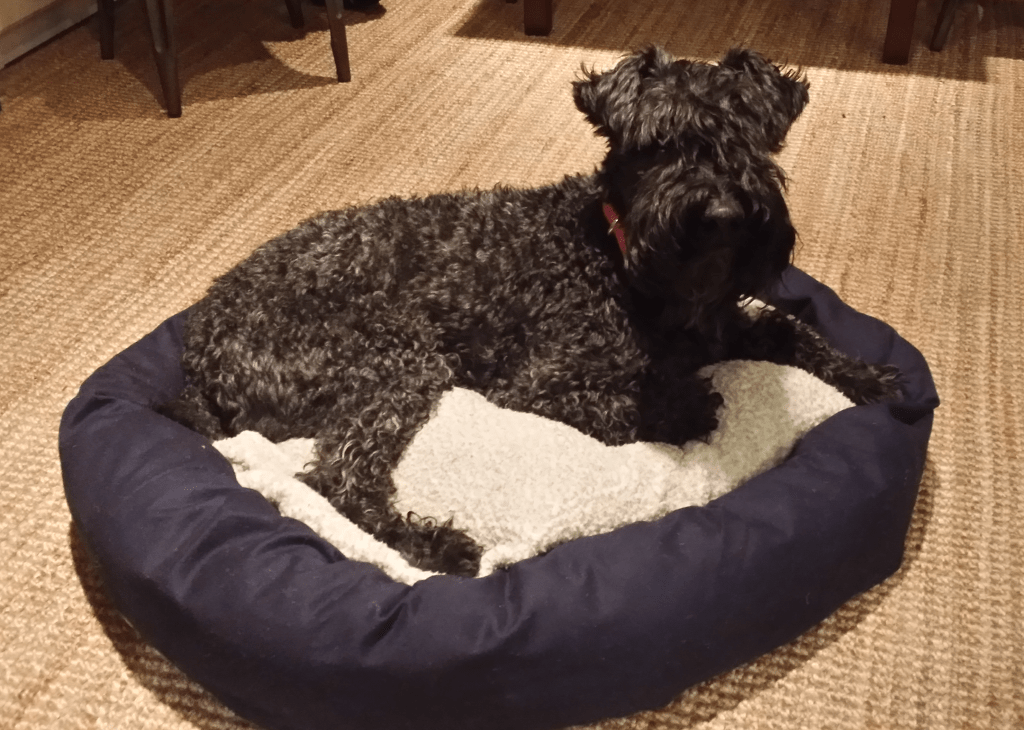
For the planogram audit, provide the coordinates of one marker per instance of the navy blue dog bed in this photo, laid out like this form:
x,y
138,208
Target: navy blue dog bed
x,y
290,634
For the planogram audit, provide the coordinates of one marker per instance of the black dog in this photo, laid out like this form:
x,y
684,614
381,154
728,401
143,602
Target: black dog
x,y
350,327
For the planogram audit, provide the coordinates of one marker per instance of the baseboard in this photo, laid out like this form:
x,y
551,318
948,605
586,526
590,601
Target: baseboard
x,y
42,25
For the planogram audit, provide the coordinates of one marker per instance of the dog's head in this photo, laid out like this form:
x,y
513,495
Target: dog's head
x,y
690,174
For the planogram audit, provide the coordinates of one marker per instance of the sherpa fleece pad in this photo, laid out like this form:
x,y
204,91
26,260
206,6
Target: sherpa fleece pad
x,y
520,484
293,635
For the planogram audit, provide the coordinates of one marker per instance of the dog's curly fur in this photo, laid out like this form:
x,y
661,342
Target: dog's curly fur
x,y
350,327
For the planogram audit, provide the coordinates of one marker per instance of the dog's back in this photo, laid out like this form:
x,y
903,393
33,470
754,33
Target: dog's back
x,y
476,282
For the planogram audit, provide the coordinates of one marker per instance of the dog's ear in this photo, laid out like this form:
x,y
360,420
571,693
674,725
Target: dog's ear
x,y
775,97
610,100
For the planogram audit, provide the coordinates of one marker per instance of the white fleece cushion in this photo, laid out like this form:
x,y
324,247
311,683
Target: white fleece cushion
x,y
520,484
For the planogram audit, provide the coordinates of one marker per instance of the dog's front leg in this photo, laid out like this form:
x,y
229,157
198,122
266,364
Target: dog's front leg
x,y
776,337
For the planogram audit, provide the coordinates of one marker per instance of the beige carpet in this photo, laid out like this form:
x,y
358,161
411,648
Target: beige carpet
x,y
907,188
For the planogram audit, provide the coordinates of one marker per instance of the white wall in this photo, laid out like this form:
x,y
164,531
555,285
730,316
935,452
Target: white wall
x,y
14,10
24,24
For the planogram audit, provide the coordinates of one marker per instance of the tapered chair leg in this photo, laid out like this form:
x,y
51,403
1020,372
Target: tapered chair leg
x,y
295,12
900,31
943,25
339,41
161,26
105,17
538,17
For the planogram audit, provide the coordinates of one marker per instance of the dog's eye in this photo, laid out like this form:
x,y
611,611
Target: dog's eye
x,y
760,211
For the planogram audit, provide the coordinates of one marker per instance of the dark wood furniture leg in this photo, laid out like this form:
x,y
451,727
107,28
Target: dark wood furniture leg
x,y
105,15
339,41
165,49
943,25
538,16
161,26
900,31
295,12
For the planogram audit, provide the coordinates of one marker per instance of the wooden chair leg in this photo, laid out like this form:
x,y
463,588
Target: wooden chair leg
x,y
900,31
339,41
295,12
105,17
161,26
943,25
538,16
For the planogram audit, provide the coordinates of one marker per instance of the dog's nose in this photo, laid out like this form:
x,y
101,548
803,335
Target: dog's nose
x,y
723,209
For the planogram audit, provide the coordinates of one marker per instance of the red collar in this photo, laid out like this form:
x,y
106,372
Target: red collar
x,y
614,226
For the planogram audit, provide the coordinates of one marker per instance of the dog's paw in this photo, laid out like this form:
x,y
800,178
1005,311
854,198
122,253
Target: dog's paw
x,y
684,410
869,384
